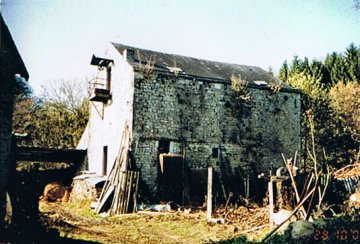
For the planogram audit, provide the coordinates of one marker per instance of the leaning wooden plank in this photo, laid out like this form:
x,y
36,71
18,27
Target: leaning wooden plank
x,y
112,175
137,174
106,199
116,198
126,191
290,215
119,188
129,191
123,187
293,183
107,184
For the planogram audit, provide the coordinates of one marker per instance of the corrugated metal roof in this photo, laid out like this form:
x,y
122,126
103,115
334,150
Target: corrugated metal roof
x,y
188,66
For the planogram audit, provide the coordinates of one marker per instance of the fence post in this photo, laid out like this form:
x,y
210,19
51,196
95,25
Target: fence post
x,y
209,193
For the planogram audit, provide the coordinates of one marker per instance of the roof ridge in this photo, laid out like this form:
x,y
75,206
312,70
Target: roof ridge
x,y
180,55
196,67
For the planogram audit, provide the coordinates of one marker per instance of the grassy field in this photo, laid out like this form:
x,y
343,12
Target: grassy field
x,y
77,221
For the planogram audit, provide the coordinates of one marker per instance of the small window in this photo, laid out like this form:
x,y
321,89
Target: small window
x,y
105,159
215,153
164,146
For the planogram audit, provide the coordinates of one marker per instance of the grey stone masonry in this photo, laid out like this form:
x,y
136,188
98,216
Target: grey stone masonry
x,y
202,121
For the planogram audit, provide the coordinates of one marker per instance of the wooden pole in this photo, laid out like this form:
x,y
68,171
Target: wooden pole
x,y
291,214
209,193
271,200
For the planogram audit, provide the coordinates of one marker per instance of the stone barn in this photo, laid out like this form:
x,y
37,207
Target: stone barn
x,y
186,114
11,68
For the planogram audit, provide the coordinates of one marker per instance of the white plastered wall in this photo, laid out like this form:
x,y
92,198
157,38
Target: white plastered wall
x,y
107,120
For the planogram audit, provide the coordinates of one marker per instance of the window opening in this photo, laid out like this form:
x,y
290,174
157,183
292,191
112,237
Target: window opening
x,y
215,153
105,159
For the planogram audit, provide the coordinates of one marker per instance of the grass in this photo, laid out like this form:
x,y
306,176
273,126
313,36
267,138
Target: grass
x,y
75,220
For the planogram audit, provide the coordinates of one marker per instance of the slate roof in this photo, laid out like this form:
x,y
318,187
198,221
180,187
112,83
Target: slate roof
x,y
193,67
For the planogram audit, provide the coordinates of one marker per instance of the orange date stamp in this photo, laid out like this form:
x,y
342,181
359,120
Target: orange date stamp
x,y
340,235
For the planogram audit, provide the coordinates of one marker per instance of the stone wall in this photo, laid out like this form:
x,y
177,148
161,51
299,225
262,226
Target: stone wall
x,y
202,121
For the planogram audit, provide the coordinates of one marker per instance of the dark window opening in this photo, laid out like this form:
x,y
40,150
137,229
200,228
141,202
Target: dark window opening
x,y
215,153
164,146
105,159
108,78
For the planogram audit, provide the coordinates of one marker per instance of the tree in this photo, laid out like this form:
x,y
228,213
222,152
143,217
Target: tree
x,y
330,103
21,88
312,102
67,93
305,65
52,121
284,72
352,59
296,65
345,102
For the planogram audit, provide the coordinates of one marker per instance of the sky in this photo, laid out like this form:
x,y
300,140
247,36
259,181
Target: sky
x,y
56,38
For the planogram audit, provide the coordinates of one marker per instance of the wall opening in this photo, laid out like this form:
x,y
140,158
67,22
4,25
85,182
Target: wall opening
x,y
105,159
164,146
171,178
215,152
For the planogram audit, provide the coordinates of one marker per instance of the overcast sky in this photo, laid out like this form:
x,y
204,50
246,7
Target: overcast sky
x,y
57,38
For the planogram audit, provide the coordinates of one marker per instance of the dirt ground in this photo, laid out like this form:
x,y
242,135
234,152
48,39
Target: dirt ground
x,y
77,221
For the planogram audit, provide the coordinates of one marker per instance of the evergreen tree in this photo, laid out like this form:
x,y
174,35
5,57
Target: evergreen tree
x,y
329,103
317,70
284,72
329,64
296,65
305,66
339,70
352,59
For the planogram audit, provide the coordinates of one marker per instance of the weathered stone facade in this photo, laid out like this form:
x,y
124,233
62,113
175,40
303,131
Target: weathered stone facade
x,y
186,106
198,117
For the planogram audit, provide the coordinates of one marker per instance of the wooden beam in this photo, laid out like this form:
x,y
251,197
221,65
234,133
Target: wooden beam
x,y
48,154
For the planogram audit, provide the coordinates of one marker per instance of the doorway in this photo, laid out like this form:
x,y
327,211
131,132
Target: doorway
x,y
171,178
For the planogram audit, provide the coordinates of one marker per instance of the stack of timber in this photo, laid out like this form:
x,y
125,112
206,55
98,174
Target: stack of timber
x,y
120,190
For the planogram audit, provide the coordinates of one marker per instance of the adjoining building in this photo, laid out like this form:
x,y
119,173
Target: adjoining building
x,y
11,68
186,114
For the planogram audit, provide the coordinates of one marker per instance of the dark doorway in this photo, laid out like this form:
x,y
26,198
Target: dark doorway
x,y
171,178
